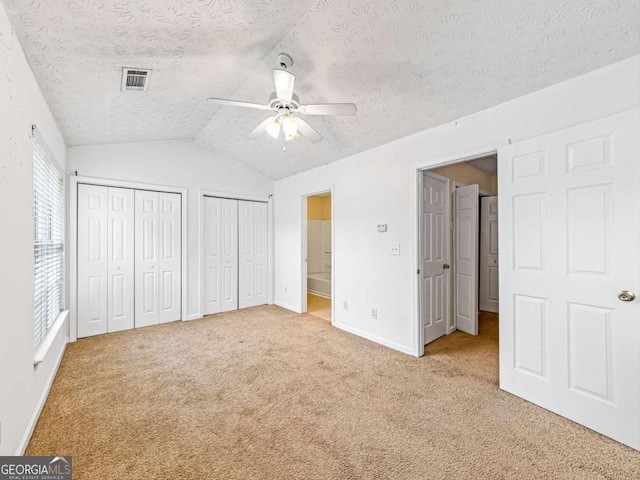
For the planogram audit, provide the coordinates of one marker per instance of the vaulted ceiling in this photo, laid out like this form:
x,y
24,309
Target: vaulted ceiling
x,y
408,65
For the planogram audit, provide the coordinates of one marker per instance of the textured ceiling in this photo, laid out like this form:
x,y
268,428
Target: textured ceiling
x,y
486,164
407,64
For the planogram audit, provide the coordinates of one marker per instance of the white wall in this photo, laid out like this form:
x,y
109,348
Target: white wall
x,y
379,186
22,387
177,163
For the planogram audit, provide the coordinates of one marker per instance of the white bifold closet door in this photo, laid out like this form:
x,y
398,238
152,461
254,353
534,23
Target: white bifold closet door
x,y
235,254
158,257
105,259
252,241
220,255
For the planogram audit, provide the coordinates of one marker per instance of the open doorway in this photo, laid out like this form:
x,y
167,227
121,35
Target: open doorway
x,y
459,248
318,255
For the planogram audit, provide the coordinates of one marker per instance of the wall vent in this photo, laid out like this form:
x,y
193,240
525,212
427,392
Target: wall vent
x,y
135,80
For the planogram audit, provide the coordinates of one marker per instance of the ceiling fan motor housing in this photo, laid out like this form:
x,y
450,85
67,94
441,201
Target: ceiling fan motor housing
x,y
284,107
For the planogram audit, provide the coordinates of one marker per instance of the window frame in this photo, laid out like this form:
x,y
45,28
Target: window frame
x,y
49,256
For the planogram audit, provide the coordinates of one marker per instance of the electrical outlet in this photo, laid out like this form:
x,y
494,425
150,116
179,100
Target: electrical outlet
x,y
395,249
345,305
374,313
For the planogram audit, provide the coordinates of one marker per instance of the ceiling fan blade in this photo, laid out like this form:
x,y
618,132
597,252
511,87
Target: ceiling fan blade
x,y
307,130
234,103
329,109
259,130
284,84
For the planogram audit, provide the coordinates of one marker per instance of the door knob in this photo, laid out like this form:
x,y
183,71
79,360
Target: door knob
x,y
118,268
152,266
626,296
445,266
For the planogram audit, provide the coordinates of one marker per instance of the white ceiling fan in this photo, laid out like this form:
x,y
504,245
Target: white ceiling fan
x,y
287,108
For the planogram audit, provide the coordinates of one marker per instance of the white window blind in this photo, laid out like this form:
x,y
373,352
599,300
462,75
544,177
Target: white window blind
x,y
48,238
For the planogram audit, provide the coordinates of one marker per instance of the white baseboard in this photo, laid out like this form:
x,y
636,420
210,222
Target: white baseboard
x,y
195,316
375,338
22,446
287,307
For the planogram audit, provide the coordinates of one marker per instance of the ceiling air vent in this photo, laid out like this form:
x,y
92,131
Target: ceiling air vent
x,y
135,80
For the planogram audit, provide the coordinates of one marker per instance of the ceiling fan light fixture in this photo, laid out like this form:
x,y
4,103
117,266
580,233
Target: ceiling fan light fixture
x,y
291,136
289,126
274,128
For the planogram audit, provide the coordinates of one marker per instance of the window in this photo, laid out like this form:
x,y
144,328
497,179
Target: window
x,y
48,238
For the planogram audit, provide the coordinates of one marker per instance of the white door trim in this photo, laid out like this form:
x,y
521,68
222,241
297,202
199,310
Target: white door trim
x,y
464,156
72,239
303,257
270,236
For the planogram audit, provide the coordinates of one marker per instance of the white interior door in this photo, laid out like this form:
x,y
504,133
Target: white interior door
x,y
489,298
146,253
435,222
120,246
569,230
169,256
92,260
252,254
466,258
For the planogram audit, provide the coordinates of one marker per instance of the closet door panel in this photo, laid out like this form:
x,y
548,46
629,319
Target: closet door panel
x,y
220,237
169,253
253,271
229,254
146,258
92,260
212,255
120,247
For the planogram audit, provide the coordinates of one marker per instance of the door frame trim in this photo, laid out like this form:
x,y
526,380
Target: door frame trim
x,y
270,237
74,181
464,156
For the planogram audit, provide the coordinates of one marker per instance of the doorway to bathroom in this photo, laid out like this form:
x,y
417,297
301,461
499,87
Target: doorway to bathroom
x,y
318,257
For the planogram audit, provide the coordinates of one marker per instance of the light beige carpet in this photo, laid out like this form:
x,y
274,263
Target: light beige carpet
x,y
319,306
266,394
